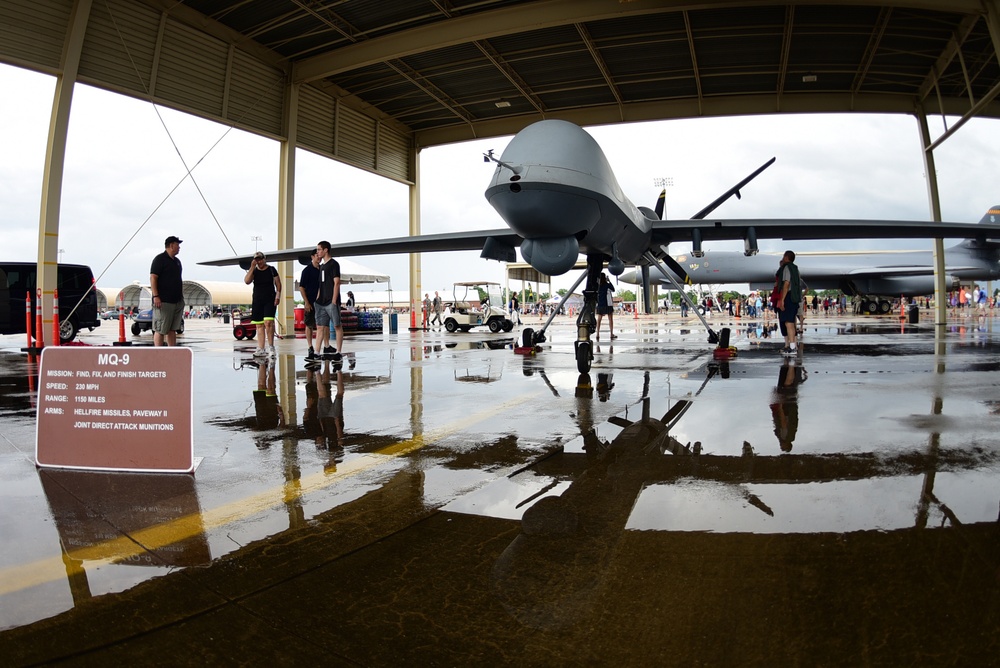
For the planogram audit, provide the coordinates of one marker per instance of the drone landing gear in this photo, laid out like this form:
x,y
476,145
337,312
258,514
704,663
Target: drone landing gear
x,y
713,336
586,322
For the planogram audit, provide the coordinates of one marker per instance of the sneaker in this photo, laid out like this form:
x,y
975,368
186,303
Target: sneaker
x,y
336,357
311,355
327,351
787,352
260,352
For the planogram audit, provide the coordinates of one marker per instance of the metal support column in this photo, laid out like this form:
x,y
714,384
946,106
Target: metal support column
x,y
55,158
416,277
940,290
288,270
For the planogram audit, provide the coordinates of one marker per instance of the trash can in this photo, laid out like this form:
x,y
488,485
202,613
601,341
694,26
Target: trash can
x,y
913,314
393,323
225,318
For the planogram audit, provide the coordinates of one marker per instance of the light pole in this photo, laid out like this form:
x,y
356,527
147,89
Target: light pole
x,y
255,239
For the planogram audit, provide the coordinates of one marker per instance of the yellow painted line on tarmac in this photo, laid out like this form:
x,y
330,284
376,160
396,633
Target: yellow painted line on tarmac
x,y
129,547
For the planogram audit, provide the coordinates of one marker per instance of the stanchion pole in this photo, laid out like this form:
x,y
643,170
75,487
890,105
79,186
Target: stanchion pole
x,y
39,334
27,321
56,339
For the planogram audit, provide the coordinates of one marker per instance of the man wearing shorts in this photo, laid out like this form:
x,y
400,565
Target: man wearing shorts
x,y
168,293
328,304
266,295
309,288
789,300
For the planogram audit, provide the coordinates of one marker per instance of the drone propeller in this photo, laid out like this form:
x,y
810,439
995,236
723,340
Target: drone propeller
x,y
675,267
660,203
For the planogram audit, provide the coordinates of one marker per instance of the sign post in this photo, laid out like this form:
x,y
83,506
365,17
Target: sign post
x,y
104,409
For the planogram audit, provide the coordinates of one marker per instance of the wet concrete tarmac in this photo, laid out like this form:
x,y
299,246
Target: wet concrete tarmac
x,y
441,500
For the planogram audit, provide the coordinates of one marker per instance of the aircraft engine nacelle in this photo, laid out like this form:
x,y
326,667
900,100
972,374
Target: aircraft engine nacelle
x,y
909,286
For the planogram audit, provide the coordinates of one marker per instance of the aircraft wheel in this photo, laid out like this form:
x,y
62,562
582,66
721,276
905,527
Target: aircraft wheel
x,y
238,333
583,356
450,325
67,330
871,306
136,329
495,325
527,337
884,307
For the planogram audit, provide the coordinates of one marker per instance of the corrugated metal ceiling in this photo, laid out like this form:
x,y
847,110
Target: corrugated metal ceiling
x,y
441,67
632,64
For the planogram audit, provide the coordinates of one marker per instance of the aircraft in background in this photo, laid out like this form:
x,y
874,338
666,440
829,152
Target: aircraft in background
x,y
555,190
870,276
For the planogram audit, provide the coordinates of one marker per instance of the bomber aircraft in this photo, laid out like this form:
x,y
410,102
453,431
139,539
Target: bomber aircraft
x,y
555,190
869,275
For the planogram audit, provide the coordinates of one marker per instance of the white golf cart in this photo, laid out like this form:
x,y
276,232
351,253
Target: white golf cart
x,y
464,316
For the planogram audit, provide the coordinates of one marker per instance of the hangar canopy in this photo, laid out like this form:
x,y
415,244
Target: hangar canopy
x,y
212,293
196,293
376,80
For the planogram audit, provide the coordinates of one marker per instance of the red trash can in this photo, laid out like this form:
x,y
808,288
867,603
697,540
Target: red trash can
x,y
300,318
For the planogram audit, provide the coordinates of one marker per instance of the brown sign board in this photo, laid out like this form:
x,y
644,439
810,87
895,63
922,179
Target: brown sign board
x,y
116,410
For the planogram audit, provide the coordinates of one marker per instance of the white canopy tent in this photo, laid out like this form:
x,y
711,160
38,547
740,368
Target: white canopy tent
x,y
352,273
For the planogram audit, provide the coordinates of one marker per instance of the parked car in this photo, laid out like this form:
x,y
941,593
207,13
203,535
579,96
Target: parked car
x,y
77,298
109,314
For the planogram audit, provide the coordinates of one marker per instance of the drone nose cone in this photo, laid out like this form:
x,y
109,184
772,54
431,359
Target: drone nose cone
x,y
541,209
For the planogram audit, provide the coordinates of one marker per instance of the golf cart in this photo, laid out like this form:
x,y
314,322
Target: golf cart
x,y
464,317
142,318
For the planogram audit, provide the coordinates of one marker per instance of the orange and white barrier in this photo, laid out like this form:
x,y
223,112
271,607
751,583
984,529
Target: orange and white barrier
x,y
39,335
55,318
27,321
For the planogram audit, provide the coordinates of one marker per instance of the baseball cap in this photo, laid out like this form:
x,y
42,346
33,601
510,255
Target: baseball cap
x,y
258,256
172,240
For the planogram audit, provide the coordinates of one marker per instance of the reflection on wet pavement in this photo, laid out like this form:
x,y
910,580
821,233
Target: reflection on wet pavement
x,y
447,501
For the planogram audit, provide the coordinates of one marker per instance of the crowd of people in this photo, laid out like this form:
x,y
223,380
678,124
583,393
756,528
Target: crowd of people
x,y
319,287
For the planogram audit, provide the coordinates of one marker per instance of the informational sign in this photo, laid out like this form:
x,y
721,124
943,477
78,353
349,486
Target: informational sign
x,y
116,410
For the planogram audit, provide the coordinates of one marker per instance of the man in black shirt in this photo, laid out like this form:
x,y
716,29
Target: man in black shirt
x,y
328,304
309,288
168,293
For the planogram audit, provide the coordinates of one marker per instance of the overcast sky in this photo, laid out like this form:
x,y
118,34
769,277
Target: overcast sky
x,y
120,165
